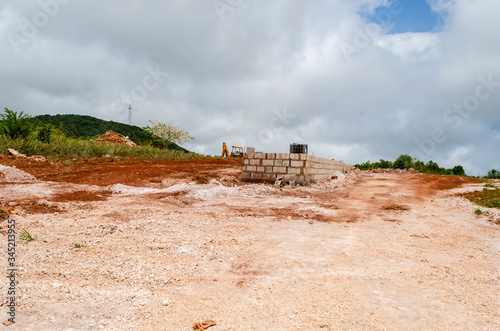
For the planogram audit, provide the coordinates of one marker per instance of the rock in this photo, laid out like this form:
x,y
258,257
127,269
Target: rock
x,y
13,152
37,158
12,174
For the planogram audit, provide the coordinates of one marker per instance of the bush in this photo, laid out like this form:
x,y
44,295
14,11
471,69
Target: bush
x,y
44,133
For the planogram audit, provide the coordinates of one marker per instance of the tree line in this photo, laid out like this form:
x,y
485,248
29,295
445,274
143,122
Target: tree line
x,y
407,162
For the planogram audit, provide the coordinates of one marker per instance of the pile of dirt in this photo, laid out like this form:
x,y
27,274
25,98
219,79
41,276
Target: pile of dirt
x,y
112,137
12,153
12,174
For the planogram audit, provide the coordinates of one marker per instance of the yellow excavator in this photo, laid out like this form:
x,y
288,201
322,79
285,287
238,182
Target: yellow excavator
x,y
237,151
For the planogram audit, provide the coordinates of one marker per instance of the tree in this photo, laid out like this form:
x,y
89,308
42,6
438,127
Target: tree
x,y
14,125
168,133
433,167
403,162
458,170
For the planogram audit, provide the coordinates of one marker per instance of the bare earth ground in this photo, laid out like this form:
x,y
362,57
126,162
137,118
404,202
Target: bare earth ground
x,y
160,251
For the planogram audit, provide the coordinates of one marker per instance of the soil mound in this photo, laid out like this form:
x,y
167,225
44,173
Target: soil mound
x,y
112,137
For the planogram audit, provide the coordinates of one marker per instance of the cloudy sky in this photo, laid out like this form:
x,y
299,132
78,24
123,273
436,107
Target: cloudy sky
x,y
357,80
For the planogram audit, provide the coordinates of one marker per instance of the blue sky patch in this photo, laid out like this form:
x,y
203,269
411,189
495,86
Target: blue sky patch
x,y
406,16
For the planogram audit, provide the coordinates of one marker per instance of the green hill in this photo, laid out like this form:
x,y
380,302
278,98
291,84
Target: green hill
x,y
84,126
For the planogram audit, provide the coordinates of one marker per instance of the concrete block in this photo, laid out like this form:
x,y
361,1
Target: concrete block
x,y
303,157
246,161
260,169
250,150
278,163
251,168
297,163
279,170
294,156
268,162
282,156
256,175
255,162
259,155
270,177
245,174
270,156
250,155
268,170
295,171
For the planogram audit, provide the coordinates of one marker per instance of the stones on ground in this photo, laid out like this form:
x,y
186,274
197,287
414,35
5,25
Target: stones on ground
x,y
13,152
7,322
201,326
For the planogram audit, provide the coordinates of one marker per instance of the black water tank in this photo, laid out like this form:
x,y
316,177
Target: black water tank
x,y
298,148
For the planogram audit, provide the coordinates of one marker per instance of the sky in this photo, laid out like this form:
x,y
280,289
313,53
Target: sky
x,y
356,80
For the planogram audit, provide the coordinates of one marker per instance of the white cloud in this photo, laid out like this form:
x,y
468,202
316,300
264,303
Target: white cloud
x,y
226,76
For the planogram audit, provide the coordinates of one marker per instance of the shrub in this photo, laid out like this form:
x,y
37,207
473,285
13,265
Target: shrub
x,y
44,133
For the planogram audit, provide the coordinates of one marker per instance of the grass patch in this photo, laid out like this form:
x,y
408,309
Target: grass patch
x,y
486,198
26,236
76,246
478,211
62,147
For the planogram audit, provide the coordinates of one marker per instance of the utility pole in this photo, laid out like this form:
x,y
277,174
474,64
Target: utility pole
x,y
130,115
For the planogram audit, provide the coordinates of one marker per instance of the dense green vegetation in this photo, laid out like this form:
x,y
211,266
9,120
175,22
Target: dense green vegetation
x,y
64,136
83,126
406,162
61,146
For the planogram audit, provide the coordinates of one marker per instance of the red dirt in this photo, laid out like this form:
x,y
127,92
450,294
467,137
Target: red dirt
x,y
104,172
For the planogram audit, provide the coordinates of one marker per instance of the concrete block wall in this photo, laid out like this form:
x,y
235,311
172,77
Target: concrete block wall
x,y
268,167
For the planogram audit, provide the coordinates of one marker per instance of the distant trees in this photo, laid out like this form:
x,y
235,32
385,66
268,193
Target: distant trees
x,y
15,125
493,174
168,133
406,162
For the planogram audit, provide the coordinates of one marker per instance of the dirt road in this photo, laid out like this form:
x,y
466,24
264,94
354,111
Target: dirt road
x,y
374,251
